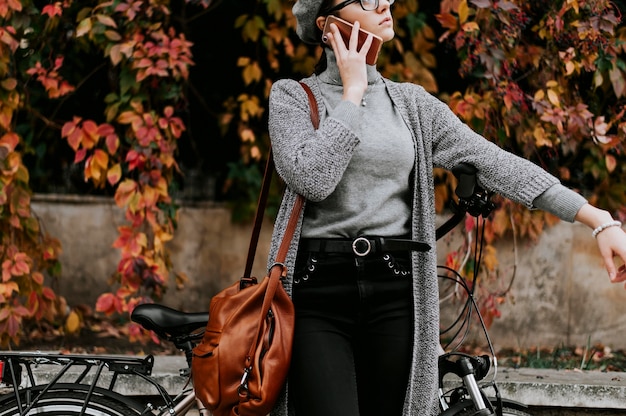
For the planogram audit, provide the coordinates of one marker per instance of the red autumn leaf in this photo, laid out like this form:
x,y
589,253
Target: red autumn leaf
x,y
125,233
13,324
33,302
48,293
37,278
80,155
72,131
135,160
9,140
52,10
108,304
112,142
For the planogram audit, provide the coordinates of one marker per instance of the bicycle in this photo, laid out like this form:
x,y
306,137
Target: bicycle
x,y
469,398
83,395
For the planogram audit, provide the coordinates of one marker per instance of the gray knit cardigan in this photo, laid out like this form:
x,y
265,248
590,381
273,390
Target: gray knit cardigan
x,y
440,140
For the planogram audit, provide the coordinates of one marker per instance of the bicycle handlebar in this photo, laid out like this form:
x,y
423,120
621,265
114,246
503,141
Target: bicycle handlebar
x,y
473,199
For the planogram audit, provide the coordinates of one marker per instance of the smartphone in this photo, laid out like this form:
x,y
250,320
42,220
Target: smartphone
x,y
345,28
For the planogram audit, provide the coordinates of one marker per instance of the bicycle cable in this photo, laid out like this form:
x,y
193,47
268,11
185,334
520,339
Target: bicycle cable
x,y
464,317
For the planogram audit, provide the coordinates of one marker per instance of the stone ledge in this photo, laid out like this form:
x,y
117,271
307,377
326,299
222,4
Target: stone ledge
x,y
533,387
564,388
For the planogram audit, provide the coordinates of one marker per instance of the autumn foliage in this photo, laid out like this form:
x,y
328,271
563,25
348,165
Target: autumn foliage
x,y
544,80
131,147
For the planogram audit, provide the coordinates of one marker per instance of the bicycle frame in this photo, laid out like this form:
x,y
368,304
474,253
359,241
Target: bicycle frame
x,y
184,330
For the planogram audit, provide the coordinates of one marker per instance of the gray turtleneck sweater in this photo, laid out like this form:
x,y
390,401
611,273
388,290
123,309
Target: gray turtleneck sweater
x,y
368,170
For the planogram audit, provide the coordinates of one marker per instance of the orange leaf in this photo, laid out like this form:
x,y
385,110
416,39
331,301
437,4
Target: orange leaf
x,y
149,197
447,20
127,117
125,191
114,174
90,134
37,278
10,141
611,162
101,159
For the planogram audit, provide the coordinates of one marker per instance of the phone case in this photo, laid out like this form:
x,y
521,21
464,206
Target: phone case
x,y
345,28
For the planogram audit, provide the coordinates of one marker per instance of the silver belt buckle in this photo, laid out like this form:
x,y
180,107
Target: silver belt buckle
x,y
360,240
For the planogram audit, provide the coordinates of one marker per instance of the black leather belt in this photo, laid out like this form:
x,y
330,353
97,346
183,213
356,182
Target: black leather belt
x,y
361,246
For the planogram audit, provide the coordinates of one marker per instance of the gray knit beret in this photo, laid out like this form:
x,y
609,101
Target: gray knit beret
x,y
305,12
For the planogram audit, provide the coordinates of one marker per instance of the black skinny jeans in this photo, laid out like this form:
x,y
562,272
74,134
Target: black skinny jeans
x,y
353,334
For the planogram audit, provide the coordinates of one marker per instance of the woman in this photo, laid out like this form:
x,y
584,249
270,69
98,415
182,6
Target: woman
x,y
363,282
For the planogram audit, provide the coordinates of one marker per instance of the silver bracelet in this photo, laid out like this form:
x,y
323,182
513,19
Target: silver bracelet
x,y
605,226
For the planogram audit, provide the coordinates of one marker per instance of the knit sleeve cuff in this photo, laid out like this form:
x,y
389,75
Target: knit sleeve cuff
x,y
349,114
560,201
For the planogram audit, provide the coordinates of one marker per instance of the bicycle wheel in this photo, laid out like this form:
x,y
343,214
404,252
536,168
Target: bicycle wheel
x,y
67,403
506,411
466,408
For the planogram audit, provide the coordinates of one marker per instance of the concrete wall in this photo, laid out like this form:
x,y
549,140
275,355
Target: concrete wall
x,y
560,293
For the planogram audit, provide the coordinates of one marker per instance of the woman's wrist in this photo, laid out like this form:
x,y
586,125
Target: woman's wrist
x,y
594,218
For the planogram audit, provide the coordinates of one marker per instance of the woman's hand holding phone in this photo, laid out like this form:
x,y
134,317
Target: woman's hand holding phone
x,y
346,29
350,60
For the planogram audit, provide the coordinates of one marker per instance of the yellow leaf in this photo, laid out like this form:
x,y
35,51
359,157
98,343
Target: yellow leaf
x,y
115,54
106,20
617,80
490,257
611,163
252,73
539,95
9,84
83,27
574,4
471,27
541,138
112,35
114,174
463,12
554,98
247,135
72,323
598,80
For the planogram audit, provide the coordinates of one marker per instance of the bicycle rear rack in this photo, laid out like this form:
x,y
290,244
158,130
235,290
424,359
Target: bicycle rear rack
x,y
13,362
89,377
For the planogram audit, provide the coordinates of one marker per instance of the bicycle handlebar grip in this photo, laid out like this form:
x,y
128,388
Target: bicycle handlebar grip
x,y
466,175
